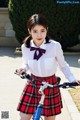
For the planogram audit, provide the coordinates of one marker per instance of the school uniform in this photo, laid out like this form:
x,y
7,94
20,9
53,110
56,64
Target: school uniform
x,y
42,63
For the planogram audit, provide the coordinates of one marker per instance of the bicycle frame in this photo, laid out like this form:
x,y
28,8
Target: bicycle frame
x,y
37,113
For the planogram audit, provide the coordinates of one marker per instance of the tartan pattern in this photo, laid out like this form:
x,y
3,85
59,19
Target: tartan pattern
x,y
30,97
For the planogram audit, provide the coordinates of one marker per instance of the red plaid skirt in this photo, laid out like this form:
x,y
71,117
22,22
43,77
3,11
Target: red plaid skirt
x,y
30,97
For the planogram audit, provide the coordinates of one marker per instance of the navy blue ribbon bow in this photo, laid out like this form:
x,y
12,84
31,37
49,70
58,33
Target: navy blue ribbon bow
x,y
38,52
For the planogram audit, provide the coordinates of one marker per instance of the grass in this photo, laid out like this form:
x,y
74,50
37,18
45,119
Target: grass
x,y
75,93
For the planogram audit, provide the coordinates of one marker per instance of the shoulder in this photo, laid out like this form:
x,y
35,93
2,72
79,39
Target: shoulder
x,y
55,43
24,48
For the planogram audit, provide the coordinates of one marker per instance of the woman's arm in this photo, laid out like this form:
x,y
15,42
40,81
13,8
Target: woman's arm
x,y
64,66
24,67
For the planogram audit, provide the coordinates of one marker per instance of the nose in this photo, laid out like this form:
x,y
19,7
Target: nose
x,y
39,34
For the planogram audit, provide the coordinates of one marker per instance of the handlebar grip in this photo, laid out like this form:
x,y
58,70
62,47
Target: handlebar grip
x,y
67,84
25,75
73,84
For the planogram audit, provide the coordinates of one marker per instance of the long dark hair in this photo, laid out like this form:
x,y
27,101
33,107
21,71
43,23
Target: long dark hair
x,y
36,19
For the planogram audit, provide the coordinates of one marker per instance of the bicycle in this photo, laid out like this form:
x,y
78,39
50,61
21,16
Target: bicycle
x,y
37,113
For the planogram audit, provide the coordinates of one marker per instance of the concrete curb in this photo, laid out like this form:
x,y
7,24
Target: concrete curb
x,y
71,53
78,61
72,109
65,53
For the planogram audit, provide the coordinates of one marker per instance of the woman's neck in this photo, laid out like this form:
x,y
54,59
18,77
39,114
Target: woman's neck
x,y
38,44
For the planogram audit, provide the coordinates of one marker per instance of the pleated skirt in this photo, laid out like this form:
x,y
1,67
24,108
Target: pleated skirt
x,y
30,97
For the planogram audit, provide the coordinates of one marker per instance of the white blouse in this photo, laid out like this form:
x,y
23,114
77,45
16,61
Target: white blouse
x,y
48,62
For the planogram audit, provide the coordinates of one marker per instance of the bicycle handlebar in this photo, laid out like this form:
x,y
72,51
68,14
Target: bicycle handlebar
x,y
63,85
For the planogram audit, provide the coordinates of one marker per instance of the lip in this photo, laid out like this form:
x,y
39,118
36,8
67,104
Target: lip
x,y
39,38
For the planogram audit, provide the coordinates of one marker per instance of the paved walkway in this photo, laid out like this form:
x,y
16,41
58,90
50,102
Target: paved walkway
x,y
11,86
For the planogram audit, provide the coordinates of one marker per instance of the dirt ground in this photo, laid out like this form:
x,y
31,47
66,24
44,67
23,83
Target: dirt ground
x,y
75,93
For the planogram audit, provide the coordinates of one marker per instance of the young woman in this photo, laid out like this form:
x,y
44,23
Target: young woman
x,y
40,56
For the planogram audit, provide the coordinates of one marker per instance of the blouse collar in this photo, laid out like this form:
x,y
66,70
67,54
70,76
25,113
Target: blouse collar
x,y
43,45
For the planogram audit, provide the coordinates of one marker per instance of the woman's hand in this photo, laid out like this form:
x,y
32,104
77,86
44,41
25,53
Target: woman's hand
x,y
78,81
20,71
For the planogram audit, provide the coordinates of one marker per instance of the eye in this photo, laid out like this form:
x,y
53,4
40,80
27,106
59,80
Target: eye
x,y
34,31
43,30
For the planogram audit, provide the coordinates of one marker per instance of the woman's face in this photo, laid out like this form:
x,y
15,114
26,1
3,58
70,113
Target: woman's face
x,y
38,34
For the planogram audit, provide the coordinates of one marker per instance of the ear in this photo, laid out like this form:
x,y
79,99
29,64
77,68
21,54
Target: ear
x,y
47,28
29,31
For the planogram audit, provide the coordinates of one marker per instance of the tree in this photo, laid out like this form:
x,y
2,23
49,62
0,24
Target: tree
x,y
63,20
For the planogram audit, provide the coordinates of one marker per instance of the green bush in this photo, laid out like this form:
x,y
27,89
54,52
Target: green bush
x,y
63,20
